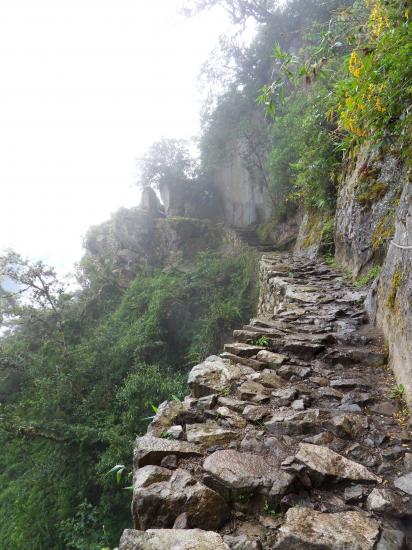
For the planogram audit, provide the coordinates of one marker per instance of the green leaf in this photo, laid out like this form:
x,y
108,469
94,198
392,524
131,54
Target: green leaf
x,y
116,469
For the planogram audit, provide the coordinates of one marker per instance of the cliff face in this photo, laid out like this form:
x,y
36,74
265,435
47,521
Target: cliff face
x,y
367,209
374,216
135,239
390,303
311,235
244,201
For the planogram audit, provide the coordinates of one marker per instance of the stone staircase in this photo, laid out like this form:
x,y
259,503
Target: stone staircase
x,y
249,236
288,440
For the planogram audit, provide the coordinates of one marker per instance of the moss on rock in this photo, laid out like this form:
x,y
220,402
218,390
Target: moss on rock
x,y
396,282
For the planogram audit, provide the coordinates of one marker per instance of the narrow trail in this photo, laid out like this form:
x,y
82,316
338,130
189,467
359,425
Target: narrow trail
x,y
289,439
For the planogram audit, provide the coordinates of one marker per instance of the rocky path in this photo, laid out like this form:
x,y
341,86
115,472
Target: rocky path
x,y
289,439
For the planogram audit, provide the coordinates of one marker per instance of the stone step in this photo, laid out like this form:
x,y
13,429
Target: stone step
x,y
290,444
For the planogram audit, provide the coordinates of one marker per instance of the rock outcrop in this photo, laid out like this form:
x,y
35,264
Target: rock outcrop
x,y
244,201
135,239
374,228
288,439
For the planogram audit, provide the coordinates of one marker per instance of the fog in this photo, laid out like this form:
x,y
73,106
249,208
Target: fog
x,y
87,86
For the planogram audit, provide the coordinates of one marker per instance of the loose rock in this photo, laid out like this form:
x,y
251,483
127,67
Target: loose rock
x,y
209,433
324,461
241,471
305,528
159,504
404,483
151,450
173,539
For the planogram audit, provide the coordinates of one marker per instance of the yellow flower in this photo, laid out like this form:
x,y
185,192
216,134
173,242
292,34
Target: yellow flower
x,y
379,105
355,64
378,20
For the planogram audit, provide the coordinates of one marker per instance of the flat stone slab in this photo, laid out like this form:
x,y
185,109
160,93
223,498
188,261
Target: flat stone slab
x,y
326,462
268,378
243,350
246,361
272,359
234,404
151,450
253,391
209,433
306,529
242,471
254,413
173,539
349,383
303,349
306,297
290,422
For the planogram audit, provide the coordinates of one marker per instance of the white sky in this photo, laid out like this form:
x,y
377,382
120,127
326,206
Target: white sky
x,y
85,87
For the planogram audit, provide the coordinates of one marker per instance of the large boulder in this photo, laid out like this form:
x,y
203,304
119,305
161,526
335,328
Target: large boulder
x,y
176,539
209,433
306,529
158,504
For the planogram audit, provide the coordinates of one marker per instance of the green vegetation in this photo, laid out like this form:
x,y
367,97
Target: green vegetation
x,y
398,392
270,511
374,100
368,277
384,230
350,82
373,192
396,282
263,341
82,374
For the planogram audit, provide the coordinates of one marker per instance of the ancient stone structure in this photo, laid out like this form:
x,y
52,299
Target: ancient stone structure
x,y
288,439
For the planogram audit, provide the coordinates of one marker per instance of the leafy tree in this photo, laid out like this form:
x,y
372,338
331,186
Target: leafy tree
x,y
69,414
167,161
238,10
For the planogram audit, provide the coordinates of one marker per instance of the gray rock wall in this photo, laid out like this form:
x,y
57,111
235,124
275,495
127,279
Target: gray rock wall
x,y
366,209
374,208
245,202
390,301
309,241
